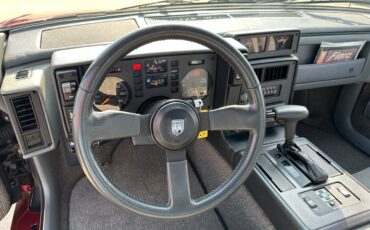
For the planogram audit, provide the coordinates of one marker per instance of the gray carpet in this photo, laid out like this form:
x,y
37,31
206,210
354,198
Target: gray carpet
x,y
142,172
240,211
336,147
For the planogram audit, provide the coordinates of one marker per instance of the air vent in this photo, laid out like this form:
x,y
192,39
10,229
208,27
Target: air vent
x,y
25,114
185,18
276,73
22,74
266,15
259,72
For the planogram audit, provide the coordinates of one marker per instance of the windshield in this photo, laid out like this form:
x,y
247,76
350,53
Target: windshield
x,y
15,12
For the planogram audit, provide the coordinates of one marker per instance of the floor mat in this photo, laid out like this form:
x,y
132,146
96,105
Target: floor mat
x,y
336,147
142,172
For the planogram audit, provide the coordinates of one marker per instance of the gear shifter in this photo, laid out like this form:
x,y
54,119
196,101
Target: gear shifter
x,y
290,115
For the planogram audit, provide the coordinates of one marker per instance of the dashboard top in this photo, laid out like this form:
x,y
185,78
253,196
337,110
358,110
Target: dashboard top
x,y
25,45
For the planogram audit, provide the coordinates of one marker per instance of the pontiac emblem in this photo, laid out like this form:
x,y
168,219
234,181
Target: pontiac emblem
x,y
177,126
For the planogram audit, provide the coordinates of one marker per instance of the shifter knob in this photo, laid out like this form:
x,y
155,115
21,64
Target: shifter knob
x,y
290,115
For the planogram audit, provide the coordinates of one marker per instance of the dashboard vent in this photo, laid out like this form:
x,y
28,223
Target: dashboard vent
x,y
22,74
266,14
185,18
259,72
25,114
276,73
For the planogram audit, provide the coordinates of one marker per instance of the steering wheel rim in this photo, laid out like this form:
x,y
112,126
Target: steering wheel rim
x,y
89,126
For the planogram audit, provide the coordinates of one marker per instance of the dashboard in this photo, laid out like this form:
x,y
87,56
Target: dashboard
x,y
45,64
136,82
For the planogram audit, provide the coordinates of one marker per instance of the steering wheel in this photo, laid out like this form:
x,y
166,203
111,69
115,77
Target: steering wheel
x,y
173,125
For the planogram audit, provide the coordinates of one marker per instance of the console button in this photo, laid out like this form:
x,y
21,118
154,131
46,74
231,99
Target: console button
x,y
138,80
174,76
324,195
137,73
116,69
174,89
33,139
66,87
138,87
174,63
333,204
310,202
344,191
196,62
69,90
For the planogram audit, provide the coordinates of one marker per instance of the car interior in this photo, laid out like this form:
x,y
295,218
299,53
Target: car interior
x,y
187,115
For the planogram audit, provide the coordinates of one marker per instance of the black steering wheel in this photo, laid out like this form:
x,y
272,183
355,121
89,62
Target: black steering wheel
x,y
173,125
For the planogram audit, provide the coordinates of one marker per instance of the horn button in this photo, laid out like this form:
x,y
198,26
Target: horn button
x,y
175,125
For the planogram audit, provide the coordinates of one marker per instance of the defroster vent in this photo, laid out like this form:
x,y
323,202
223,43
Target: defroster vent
x,y
25,113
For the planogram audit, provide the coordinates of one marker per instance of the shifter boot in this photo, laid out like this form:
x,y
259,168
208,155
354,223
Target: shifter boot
x,y
304,162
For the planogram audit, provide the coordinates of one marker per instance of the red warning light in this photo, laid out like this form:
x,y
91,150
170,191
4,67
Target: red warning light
x,y
197,72
136,67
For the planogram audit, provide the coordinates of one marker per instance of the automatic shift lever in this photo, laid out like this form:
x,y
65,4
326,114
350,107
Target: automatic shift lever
x,y
290,115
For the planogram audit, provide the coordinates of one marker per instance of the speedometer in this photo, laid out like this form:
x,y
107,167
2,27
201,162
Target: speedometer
x,y
195,84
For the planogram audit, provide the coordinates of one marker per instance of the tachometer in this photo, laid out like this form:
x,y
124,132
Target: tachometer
x,y
114,94
195,84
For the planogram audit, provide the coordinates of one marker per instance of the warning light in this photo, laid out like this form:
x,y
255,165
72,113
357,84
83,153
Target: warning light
x,y
136,67
197,72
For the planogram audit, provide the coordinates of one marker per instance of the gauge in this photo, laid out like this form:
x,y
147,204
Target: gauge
x,y
254,44
195,84
114,94
156,66
279,42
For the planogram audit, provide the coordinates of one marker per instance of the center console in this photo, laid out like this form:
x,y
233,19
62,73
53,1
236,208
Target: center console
x,y
305,189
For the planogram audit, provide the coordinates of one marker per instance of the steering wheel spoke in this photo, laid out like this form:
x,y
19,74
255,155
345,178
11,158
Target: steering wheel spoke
x,y
109,125
178,180
233,117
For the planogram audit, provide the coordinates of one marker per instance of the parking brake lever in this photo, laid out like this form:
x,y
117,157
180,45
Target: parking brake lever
x,y
290,115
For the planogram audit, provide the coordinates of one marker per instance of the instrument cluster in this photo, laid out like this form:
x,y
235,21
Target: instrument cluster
x,y
133,82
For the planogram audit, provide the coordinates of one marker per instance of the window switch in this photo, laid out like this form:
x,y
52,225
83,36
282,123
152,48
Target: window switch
x,y
310,202
344,191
